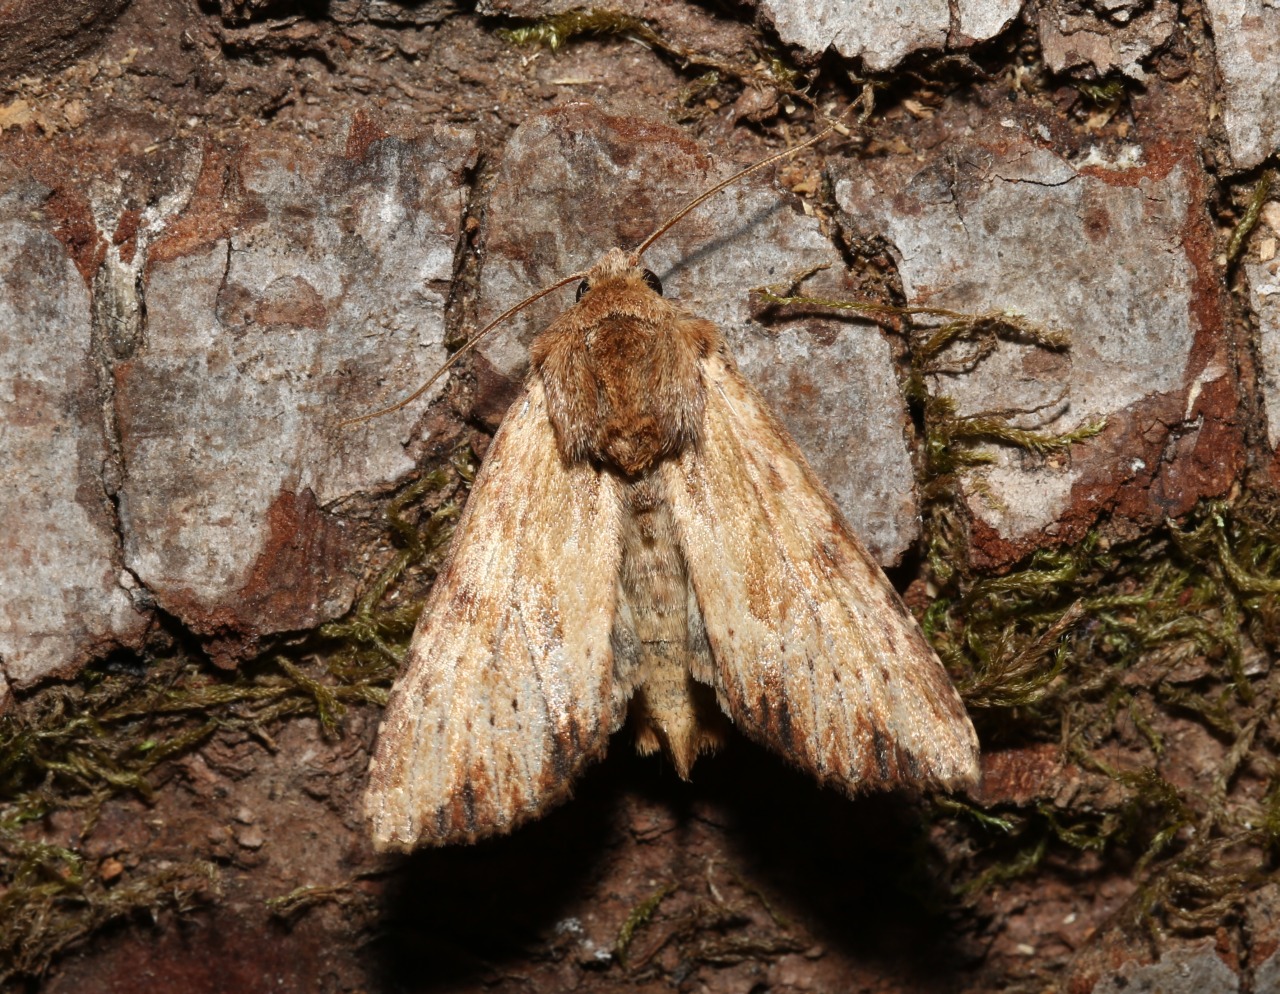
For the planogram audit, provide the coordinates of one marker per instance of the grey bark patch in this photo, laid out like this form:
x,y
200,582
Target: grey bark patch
x,y
64,595
1185,969
1246,38
1264,294
1097,43
319,297
883,33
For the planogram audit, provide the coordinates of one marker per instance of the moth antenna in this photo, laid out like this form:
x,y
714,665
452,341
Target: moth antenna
x,y
708,194
662,230
471,343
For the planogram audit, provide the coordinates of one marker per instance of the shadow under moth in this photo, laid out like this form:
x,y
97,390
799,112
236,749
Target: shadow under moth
x,y
644,538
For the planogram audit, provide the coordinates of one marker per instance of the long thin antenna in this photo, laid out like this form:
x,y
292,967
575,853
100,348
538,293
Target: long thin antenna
x,y
662,230
471,343
707,195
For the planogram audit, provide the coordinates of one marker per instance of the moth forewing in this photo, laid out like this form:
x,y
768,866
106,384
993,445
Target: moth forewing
x,y
815,654
508,687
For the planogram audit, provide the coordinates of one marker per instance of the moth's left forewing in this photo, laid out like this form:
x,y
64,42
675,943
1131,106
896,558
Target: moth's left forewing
x,y
508,689
815,653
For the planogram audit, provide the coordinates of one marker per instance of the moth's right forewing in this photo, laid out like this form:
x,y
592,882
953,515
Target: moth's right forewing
x,y
815,653
508,687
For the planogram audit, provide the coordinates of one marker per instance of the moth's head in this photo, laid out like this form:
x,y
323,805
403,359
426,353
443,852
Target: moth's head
x,y
619,270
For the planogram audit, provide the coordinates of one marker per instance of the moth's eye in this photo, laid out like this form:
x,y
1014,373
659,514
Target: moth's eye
x,y
583,287
653,282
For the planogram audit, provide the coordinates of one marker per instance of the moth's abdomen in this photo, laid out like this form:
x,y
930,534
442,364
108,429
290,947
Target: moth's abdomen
x,y
658,638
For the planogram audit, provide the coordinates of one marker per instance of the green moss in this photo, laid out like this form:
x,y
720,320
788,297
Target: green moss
x,y
554,31
1104,93
1122,620
1249,220
637,918
1192,893
1025,861
695,91
768,69
51,902
715,926
366,646
952,443
293,904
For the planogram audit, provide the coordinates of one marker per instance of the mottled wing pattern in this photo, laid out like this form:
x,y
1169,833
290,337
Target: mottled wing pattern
x,y
815,654
508,687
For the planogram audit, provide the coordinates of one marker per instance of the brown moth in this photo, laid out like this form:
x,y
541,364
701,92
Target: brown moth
x,y
644,538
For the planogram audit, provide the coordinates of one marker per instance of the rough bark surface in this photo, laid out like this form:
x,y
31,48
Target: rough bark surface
x,y
1053,412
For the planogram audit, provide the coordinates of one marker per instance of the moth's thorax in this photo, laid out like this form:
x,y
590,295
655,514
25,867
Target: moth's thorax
x,y
620,369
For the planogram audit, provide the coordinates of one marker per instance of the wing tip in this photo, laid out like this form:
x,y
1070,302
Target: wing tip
x,y
388,839
400,823
954,762
964,779
393,830
950,764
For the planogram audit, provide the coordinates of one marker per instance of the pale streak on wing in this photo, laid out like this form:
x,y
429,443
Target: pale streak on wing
x,y
815,654
508,688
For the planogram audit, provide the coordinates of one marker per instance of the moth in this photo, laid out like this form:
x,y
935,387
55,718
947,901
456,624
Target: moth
x,y
644,539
